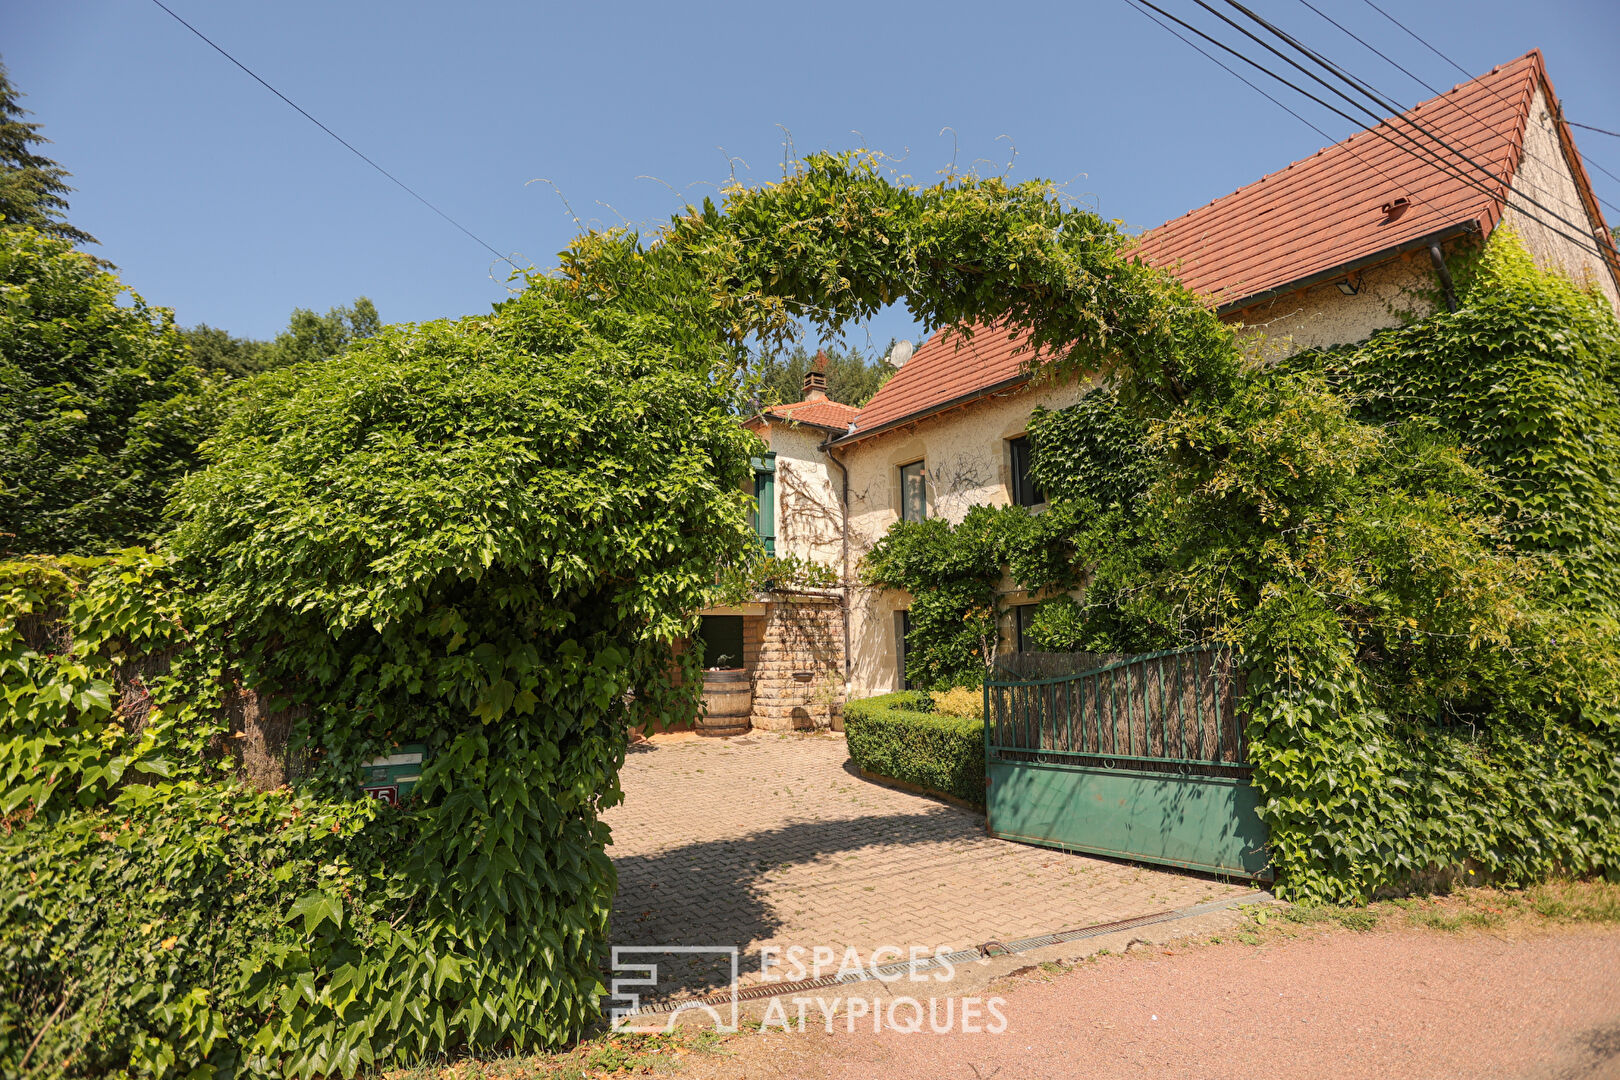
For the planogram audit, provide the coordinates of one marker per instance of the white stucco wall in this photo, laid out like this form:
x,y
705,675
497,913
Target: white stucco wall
x,y
809,519
1545,175
968,464
1391,294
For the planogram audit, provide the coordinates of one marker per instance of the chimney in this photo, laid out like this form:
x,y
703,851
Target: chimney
x,y
815,378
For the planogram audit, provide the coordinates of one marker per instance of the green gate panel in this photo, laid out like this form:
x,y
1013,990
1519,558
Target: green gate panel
x,y
1196,822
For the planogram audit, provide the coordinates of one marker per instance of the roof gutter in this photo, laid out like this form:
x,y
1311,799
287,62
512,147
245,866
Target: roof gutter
x,y
1321,277
932,410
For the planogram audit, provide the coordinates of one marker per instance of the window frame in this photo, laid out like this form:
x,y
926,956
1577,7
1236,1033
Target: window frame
x,y
902,630
922,476
1021,487
1022,614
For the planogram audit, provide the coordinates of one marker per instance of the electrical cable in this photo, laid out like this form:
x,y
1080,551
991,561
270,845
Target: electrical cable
x,y
1415,36
347,145
1377,129
1399,114
1435,91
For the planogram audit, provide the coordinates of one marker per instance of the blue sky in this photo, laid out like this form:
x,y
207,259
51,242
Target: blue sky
x,y
216,199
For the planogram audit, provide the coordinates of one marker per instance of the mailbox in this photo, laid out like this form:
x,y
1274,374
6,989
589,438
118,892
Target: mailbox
x,y
393,778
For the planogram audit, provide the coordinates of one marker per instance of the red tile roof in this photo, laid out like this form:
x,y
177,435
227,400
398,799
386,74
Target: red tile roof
x,y
822,413
1328,210
1314,216
947,367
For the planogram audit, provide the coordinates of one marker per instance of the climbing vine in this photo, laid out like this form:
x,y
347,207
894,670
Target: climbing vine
x,y
486,536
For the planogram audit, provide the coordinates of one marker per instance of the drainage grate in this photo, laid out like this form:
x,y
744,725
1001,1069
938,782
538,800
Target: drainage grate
x,y
759,991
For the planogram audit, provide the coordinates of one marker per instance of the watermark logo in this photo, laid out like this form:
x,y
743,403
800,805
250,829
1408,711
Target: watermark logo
x,y
626,994
801,986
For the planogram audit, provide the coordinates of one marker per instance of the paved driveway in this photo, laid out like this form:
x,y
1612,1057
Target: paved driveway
x,y
777,840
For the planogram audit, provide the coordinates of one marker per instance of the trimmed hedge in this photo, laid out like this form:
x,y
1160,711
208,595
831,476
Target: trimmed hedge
x,y
897,736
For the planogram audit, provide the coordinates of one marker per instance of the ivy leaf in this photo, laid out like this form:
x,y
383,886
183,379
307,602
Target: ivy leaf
x,y
315,908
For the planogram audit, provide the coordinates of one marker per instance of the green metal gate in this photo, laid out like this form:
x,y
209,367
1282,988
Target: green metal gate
x,y
1140,758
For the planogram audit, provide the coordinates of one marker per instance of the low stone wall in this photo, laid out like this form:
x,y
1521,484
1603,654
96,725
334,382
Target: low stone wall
x,y
795,653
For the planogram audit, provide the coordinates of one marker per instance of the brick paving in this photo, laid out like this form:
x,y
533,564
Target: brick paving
x,y
776,839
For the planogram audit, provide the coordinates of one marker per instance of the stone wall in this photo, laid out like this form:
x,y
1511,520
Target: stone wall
x,y
795,654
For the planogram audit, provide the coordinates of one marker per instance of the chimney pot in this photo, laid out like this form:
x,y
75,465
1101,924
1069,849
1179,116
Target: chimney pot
x,y
815,378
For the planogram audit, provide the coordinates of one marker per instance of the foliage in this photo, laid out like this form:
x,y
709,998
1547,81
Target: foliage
x,y
757,573
959,701
1526,373
1420,692
222,353
33,188
100,412
308,337
483,535
1093,453
68,629
478,536
149,935
952,574
852,376
897,736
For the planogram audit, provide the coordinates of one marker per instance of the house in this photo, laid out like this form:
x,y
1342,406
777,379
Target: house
x,y
1358,237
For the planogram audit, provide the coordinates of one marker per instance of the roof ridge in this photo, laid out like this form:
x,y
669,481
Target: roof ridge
x,y
1367,130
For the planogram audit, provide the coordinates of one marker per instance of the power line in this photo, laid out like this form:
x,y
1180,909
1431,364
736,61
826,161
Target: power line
x,y
1585,241
1383,102
1194,45
1413,34
1218,63
1434,90
347,145
1423,155
1589,127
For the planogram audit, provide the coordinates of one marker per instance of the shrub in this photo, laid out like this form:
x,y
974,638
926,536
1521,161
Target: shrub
x,y
895,736
101,410
959,701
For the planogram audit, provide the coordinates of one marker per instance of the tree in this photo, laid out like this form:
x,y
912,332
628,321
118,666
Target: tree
x,y
32,186
308,337
852,376
221,352
100,409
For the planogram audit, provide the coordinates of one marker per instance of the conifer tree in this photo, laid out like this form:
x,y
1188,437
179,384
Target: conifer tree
x,y
33,188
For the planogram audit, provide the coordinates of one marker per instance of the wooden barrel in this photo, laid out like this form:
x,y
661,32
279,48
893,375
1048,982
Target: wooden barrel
x,y
727,702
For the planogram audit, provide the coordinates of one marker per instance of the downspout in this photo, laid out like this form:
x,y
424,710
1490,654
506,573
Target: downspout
x,y
1439,261
843,577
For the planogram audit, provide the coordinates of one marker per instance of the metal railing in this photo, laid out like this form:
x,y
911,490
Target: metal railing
x,y
1175,710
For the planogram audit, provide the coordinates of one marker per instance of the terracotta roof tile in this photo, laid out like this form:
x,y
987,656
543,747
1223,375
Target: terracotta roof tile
x,y
1327,210
947,366
1313,216
824,413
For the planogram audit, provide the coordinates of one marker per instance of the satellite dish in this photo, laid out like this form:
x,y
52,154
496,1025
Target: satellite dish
x,y
899,353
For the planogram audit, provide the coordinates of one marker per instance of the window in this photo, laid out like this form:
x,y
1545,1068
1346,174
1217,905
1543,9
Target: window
x,y
1023,620
902,630
914,491
722,639
1024,491
764,513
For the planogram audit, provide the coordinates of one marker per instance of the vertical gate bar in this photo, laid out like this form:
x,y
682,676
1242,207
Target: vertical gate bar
x,y
1181,709
1068,713
1024,695
1164,715
1048,715
1198,699
1096,709
1130,721
1113,711
1215,677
